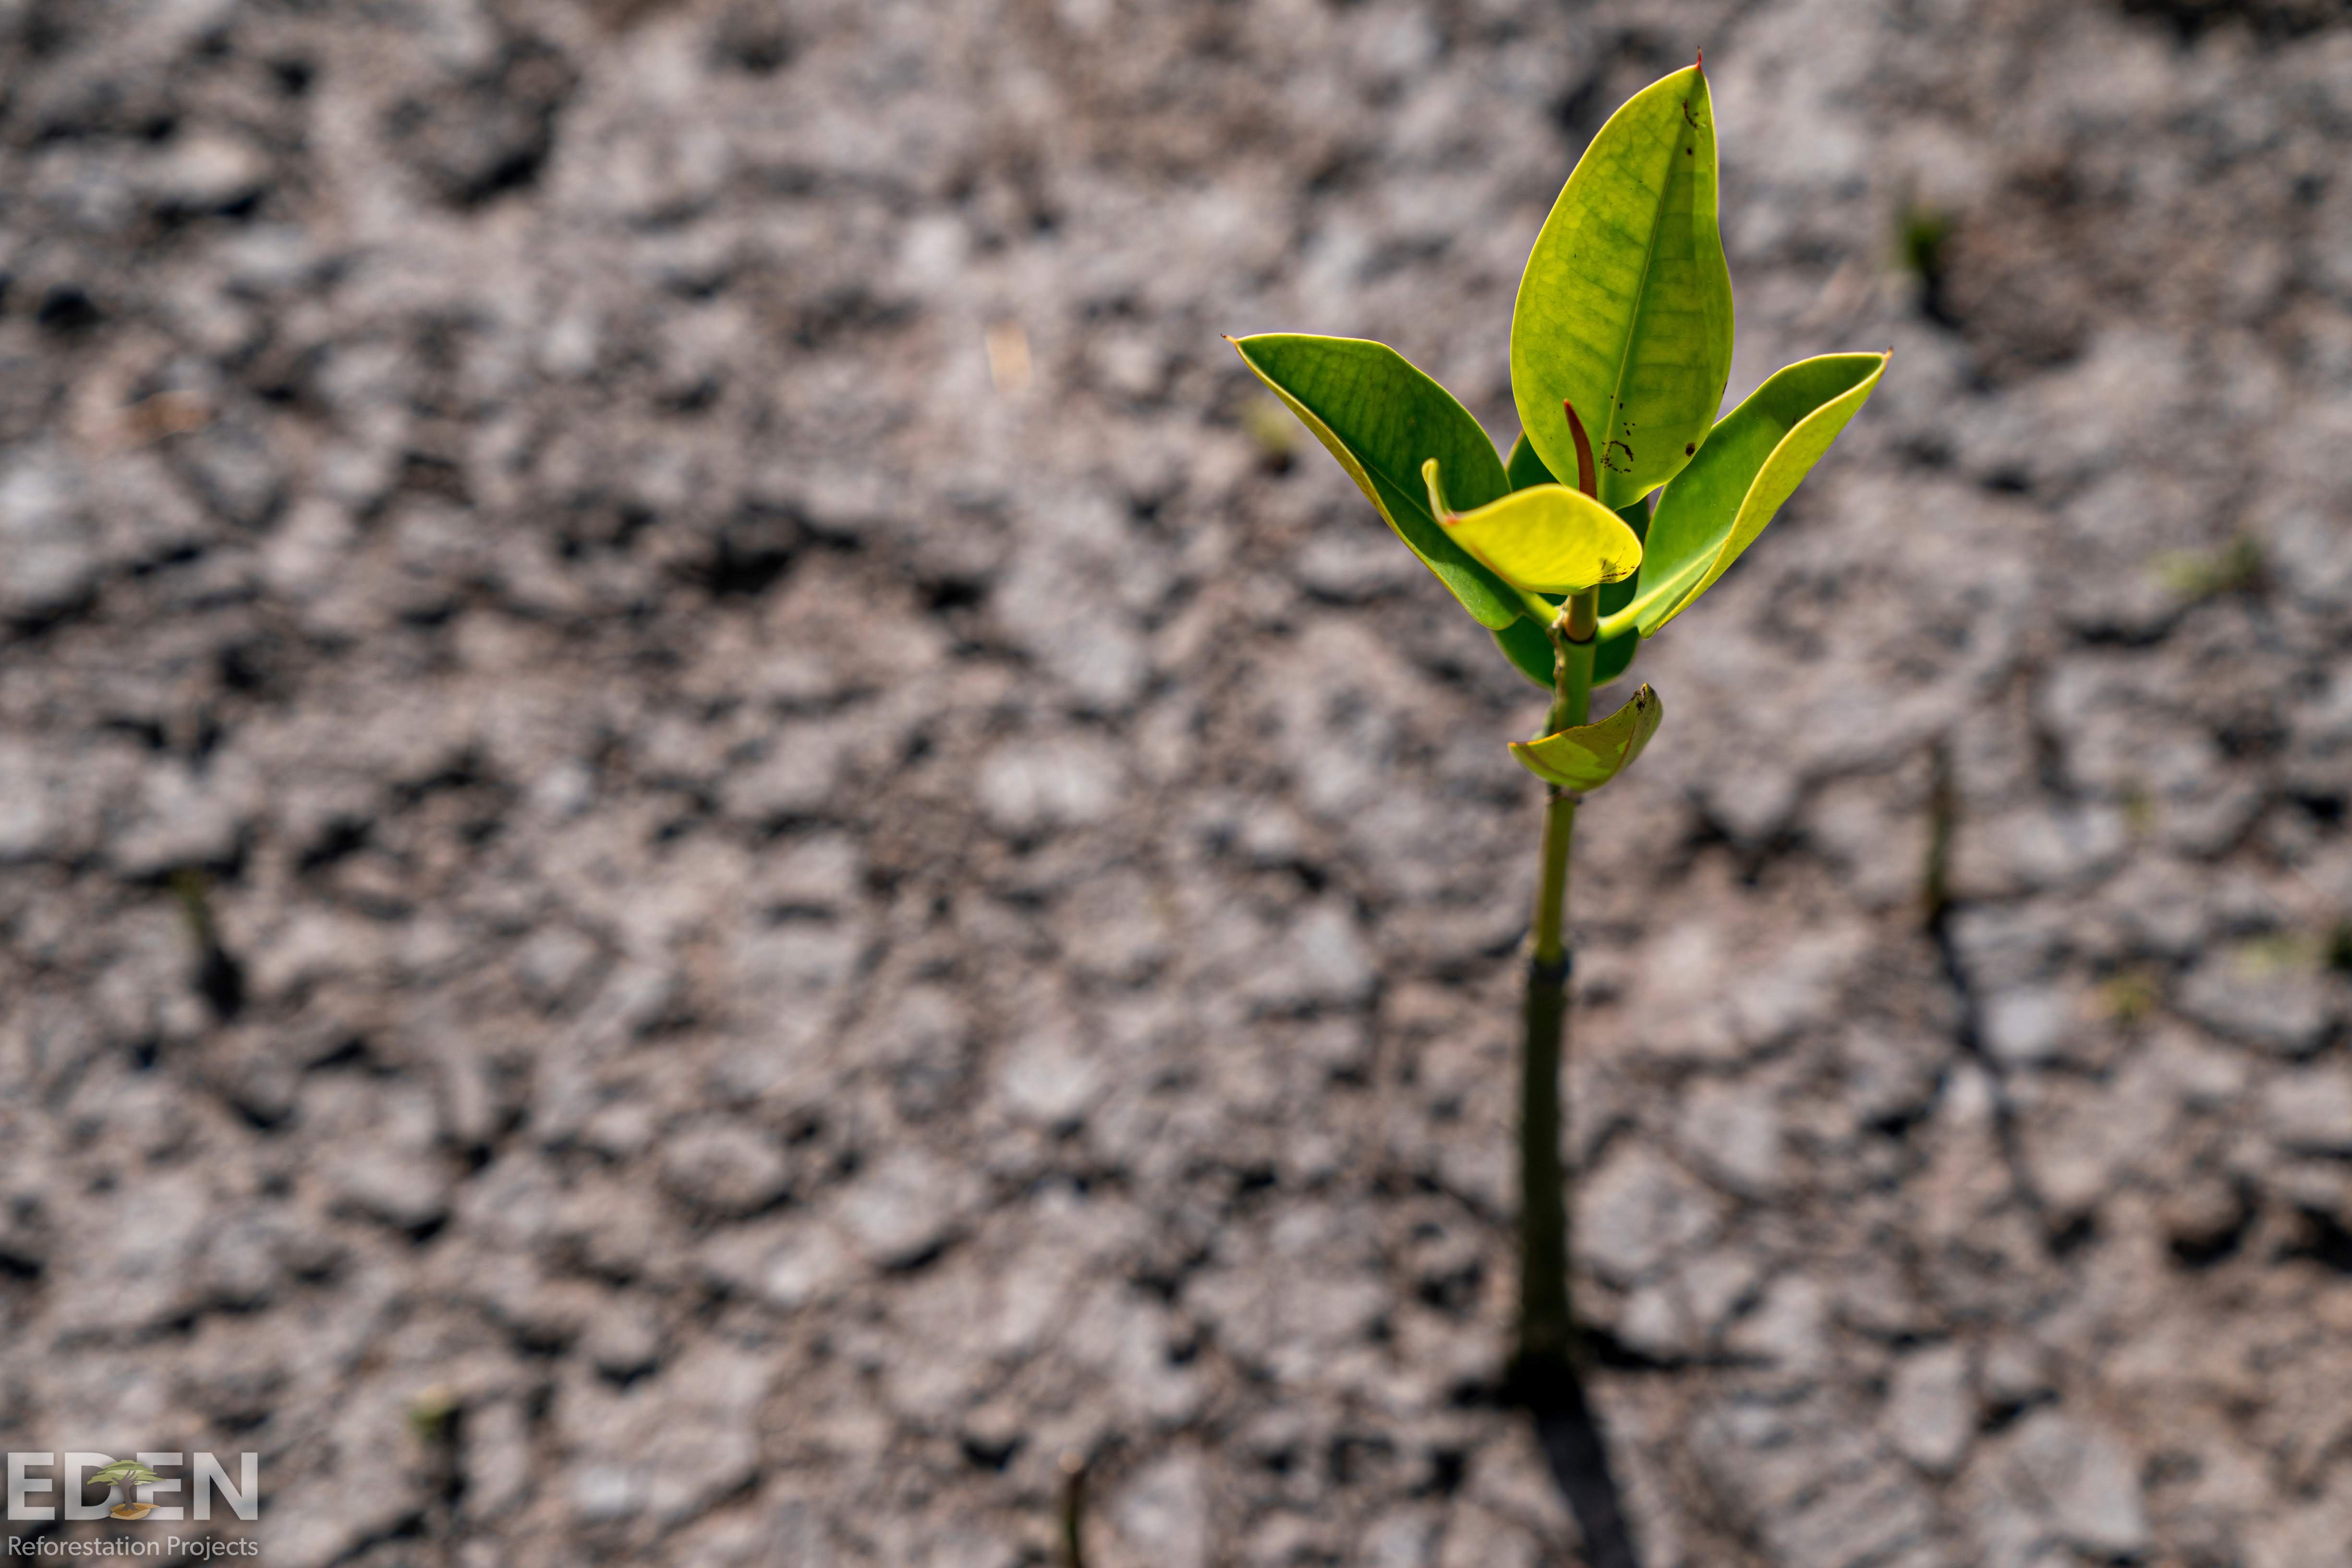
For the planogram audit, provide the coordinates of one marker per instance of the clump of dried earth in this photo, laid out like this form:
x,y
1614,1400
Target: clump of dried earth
x,y
805,928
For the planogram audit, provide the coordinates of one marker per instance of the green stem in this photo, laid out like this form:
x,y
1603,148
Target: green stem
x,y
1073,1508
1546,1326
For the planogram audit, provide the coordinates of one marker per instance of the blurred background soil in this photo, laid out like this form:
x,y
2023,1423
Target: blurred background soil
x,y
836,865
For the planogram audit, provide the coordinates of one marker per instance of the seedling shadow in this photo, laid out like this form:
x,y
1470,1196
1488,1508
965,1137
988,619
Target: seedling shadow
x,y
1578,1458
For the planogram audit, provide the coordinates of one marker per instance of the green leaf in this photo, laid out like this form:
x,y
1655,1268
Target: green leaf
x,y
1525,467
1624,308
1546,539
1584,758
1529,647
1382,419
1752,463
1614,656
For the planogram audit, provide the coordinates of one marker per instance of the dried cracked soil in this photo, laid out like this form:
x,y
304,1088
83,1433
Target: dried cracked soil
x,y
832,870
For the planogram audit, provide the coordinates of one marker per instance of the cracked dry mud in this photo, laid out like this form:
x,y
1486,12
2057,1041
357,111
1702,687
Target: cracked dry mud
x,y
801,934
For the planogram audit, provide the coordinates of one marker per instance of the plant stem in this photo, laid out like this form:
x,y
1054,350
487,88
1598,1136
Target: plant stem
x,y
1074,1507
1546,1327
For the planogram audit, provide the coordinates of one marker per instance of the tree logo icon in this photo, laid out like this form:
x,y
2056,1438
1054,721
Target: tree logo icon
x,y
125,1477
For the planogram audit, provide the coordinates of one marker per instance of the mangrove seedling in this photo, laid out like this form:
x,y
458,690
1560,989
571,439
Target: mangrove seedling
x,y
1619,351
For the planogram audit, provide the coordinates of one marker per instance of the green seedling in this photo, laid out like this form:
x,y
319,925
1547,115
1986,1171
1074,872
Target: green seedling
x,y
1619,351
2196,575
1920,238
433,1416
2133,996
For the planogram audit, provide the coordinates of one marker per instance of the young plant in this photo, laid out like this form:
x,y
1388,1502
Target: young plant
x,y
1620,347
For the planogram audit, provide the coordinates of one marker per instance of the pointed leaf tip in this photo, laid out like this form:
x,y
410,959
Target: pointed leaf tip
x,y
1625,303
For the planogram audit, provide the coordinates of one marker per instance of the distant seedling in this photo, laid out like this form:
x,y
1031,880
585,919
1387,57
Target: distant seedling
x,y
2237,567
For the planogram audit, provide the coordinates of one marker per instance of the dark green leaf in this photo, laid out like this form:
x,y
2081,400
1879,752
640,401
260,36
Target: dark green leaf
x,y
1525,467
1382,419
1614,656
1529,647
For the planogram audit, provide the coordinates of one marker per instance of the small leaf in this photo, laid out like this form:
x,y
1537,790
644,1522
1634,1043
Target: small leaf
x,y
1381,418
1546,539
1751,462
1624,308
1589,756
1614,656
1529,647
1524,641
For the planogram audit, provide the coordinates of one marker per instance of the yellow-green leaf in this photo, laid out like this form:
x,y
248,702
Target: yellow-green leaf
x,y
1624,308
1752,463
1381,417
1589,756
1546,539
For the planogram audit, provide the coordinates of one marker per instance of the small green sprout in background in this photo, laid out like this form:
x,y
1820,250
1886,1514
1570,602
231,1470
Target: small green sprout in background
x,y
2197,575
2280,952
1920,237
1272,429
219,978
1074,1509
2339,947
2131,996
1620,352
1922,249
433,1416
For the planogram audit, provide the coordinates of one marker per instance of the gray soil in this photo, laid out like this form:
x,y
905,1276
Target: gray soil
x,y
804,930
